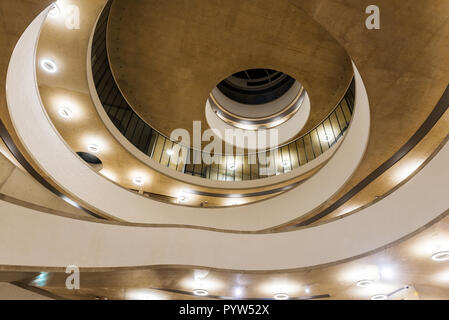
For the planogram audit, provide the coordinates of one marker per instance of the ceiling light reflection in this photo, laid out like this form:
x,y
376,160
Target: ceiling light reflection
x,y
404,170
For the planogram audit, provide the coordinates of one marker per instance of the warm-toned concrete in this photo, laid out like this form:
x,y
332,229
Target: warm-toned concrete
x,y
167,56
15,16
419,92
405,67
69,86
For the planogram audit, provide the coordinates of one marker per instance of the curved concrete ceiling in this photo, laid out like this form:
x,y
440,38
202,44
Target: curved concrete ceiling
x,y
405,69
410,260
70,86
167,56
46,146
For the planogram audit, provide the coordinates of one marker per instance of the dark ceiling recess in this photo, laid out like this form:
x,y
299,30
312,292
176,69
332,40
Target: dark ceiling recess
x,y
92,160
256,86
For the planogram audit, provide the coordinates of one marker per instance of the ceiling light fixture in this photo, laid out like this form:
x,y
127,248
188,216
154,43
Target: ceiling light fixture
x,y
238,291
93,148
441,256
200,292
65,112
281,296
138,181
54,11
365,283
49,65
379,297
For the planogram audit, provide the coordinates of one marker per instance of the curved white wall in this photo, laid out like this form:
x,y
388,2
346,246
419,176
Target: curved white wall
x,y
49,150
31,238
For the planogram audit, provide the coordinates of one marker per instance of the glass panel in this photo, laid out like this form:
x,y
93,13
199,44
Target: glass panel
x,y
308,146
293,155
157,154
316,145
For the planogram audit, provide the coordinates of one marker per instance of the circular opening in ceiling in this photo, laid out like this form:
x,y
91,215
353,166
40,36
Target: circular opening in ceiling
x,y
91,160
256,99
256,86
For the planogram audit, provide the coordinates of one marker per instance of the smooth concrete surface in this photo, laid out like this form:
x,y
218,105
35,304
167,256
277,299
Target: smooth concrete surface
x,y
167,56
405,67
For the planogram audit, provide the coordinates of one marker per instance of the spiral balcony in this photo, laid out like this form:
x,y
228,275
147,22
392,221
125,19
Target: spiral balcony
x,y
354,205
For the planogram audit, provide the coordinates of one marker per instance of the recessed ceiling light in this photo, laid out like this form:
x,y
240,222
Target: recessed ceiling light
x,y
441,256
93,148
138,181
286,163
49,65
200,292
307,290
54,11
238,291
65,112
365,283
379,297
281,296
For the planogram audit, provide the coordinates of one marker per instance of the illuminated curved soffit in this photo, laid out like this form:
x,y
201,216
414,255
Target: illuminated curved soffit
x,y
49,150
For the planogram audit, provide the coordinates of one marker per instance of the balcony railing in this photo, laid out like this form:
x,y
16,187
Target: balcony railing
x,y
171,154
